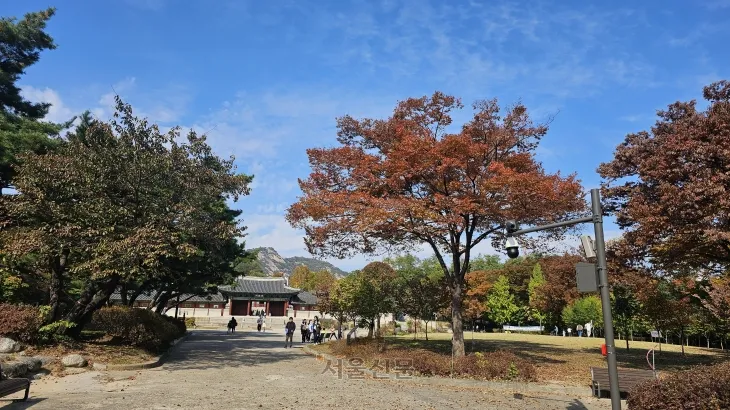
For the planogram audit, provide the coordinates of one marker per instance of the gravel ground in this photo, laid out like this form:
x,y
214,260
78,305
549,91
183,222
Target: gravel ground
x,y
249,370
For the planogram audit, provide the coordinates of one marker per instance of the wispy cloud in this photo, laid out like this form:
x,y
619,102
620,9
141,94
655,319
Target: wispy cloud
x,y
563,52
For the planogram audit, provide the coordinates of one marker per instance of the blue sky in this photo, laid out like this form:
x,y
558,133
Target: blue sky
x,y
266,80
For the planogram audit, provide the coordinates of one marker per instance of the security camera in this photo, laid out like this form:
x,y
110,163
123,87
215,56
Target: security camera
x,y
513,248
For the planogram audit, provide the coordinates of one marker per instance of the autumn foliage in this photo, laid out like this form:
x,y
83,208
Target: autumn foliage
x,y
412,179
668,186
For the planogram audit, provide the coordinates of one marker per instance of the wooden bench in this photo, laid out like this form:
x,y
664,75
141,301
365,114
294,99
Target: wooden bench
x,y
627,379
10,386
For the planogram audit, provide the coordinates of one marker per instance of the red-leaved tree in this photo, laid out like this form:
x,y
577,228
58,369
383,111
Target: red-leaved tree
x,y
668,187
404,181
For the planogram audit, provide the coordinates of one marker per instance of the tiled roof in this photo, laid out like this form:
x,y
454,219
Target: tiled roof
x,y
304,298
149,296
264,286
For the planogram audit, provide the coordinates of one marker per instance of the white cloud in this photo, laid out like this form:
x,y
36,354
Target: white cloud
x,y
58,111
566,52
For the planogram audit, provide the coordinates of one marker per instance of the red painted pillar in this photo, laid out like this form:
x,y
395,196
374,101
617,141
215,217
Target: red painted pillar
x,y
230,307
286,308
266,309
248,307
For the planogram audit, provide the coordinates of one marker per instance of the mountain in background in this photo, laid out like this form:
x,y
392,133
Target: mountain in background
x,y
268,262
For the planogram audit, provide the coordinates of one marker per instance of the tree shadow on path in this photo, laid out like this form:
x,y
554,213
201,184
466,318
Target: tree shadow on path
x,y
218,349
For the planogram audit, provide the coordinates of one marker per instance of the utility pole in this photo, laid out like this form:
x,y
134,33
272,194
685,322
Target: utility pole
x,y
605,298
597,219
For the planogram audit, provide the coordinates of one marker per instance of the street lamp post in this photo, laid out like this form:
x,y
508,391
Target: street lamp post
x,y
597,219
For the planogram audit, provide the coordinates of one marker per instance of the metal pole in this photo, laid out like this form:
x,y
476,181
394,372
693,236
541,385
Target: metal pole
x,y
605,299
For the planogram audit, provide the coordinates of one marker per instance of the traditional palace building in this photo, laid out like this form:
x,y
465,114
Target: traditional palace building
x,y
269,296
249,296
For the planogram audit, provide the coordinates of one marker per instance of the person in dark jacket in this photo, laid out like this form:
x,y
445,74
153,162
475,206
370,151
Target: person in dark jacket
x,y
232,325
291,327
304,329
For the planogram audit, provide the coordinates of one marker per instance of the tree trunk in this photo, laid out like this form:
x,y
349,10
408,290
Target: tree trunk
x,y
457,321
371,326
627,343
426,322
681,339
91,300
123,294
161,303
378,328
135,294
58,268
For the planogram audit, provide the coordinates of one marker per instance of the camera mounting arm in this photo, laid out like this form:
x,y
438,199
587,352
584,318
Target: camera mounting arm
x,y
548,226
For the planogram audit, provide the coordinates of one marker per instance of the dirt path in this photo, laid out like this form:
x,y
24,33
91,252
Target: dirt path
x,y
213,370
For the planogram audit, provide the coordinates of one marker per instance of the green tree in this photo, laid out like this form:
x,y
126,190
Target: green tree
x,y
501,304
420,287
369,293
582,311
128,205
485,263
537,280
21,43
625,310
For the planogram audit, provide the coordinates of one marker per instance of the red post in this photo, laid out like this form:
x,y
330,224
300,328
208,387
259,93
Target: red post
x,y
248,308
266,309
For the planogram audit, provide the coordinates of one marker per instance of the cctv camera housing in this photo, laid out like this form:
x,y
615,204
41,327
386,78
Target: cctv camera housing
x,y
512,247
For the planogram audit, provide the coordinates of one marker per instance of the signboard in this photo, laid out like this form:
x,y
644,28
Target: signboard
x,y
586,277
654,333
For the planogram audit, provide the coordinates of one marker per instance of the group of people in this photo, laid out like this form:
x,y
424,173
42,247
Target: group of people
x,y
311,332
586,329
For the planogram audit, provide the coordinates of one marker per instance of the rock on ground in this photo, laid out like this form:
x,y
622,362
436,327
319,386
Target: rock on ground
x,y
8,345
14,369
73,360
34,364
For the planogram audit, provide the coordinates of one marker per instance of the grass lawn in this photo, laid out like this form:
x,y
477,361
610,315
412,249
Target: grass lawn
x,y
566,360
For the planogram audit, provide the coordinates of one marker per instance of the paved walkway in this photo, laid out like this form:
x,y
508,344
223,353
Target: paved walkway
x,y
249,370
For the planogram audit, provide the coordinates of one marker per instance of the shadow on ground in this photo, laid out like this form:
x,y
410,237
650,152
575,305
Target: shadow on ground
x,y
218,349
28,404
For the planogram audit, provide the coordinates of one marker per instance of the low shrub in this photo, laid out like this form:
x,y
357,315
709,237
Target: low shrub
x,y
179,324
499,365
189,322
702,387
138,327
20,322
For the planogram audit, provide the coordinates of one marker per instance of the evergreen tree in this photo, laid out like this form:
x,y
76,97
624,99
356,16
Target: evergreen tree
x,y
501,304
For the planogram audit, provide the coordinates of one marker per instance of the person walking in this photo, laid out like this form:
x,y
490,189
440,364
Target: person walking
x,y
317,331
259,322
232,325
263,326
589,329
303,328
290,328
310,331
579,329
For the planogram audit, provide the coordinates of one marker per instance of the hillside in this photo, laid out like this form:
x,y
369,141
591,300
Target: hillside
x,y
270,262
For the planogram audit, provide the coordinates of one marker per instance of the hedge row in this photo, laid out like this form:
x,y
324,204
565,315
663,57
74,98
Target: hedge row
x,y
139,327
701,387
20,322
